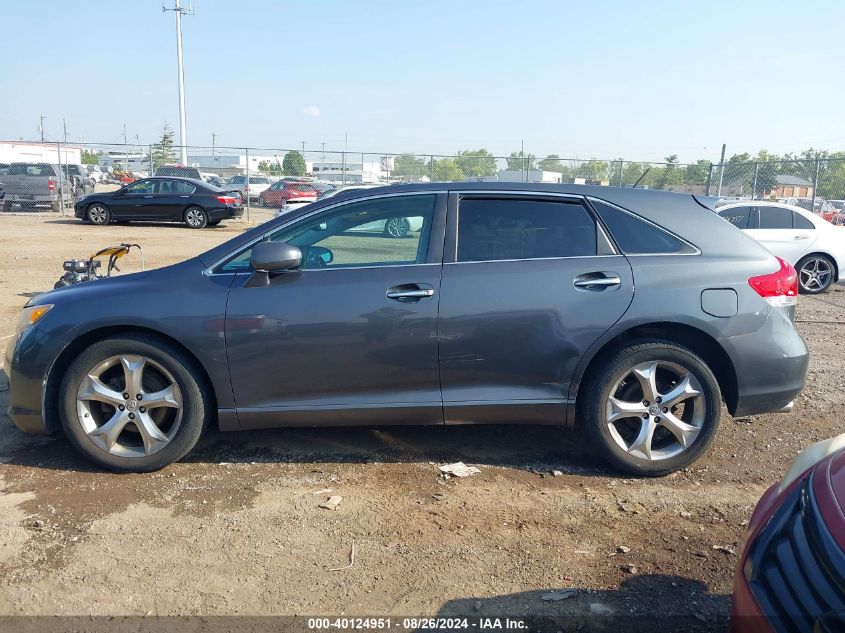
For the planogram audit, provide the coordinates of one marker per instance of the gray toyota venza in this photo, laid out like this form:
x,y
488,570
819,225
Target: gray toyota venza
x,y
630,314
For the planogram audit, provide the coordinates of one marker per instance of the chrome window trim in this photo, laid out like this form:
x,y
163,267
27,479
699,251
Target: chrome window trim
x,y
209,271
574,197
696,250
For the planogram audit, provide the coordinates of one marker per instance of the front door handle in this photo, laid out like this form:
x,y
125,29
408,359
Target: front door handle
x,y
148,196
802,237
410,293
597,281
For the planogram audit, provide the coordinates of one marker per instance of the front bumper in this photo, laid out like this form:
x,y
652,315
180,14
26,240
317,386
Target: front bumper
x,y
26,389
770,364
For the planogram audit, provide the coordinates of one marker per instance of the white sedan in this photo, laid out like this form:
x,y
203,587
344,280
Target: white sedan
x,y
814,246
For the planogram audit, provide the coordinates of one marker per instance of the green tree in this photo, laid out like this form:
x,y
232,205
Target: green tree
x,y
669,174
518,161
592,170
163,151
293,164
551,163
409,167
696,173
89,157
446,170
477,163
269,167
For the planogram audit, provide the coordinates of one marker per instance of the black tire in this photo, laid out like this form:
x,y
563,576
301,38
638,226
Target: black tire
x,y
195,218
98,214
821,283
593,403
61,283
7,206
214,222
196,401
397,227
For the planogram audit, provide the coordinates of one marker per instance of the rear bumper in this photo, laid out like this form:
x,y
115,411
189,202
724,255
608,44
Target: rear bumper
x,y
226,213
770,365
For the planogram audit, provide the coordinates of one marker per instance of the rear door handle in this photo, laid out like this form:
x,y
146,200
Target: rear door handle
x,y
802,237
410,293
597,280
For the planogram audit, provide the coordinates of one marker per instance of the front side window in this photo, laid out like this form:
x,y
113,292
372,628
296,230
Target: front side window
x,y
378,232
512,228
142,186
775,218
740,217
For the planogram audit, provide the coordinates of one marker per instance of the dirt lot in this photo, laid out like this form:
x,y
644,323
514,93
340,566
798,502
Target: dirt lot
x,y
235,528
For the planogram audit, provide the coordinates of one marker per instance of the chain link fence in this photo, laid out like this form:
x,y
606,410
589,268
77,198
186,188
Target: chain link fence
x,y
53,175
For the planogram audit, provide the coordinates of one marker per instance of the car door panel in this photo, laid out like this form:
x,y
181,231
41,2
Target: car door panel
x,y
513,332
343,345
135,203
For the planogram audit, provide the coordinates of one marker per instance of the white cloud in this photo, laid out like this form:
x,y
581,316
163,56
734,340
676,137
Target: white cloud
x,y
311,110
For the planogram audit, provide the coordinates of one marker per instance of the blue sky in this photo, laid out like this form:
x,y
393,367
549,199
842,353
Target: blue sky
x,y
606,79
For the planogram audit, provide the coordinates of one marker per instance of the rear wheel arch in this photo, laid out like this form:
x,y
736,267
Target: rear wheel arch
x,y
698,341
69,353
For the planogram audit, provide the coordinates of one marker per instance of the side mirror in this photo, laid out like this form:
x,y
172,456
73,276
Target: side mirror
x,y
273,257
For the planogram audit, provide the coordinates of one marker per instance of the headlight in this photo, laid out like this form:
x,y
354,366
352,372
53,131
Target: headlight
x,y
809,457
31,315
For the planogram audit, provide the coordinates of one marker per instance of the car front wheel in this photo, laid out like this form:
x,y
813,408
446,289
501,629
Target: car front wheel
x,y
133,403
98,214
651,408
815,274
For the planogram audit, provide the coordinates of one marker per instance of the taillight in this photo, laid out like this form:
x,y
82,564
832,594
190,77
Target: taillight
x,y
50,184
227,199
779,288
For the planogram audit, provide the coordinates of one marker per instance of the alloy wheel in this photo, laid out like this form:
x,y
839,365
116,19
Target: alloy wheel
x,y
397,227
815,275
656,410
129,405
194,217
98,214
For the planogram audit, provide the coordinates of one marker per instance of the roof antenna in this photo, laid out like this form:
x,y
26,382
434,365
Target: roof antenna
x,y
634,186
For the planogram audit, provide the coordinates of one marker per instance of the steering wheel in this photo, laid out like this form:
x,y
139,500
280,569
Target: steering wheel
x,y
313,259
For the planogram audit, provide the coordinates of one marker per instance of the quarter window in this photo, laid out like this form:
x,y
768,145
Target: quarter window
x,y
513,228
385,231
634,235
800,222
775,218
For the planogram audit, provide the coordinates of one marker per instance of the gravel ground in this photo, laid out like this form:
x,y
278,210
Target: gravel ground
x,y
236,529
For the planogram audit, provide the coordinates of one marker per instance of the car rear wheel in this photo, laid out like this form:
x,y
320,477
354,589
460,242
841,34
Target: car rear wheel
x,y
397,227
815,274
98,214
133,403
651,408
196,218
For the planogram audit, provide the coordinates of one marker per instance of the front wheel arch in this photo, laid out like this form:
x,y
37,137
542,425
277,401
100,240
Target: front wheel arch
x,y
63,360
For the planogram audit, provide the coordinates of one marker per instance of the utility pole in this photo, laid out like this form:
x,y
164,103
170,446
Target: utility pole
x,y
323,153
183,131
213,143
41,126
125,148
303,149
721,171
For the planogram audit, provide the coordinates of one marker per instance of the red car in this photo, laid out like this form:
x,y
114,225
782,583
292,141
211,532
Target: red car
x,y
284,190
791,575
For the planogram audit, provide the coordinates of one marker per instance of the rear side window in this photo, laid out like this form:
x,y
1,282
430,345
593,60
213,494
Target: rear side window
x,y
740,217
511,228
775,218
31,169
634,235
